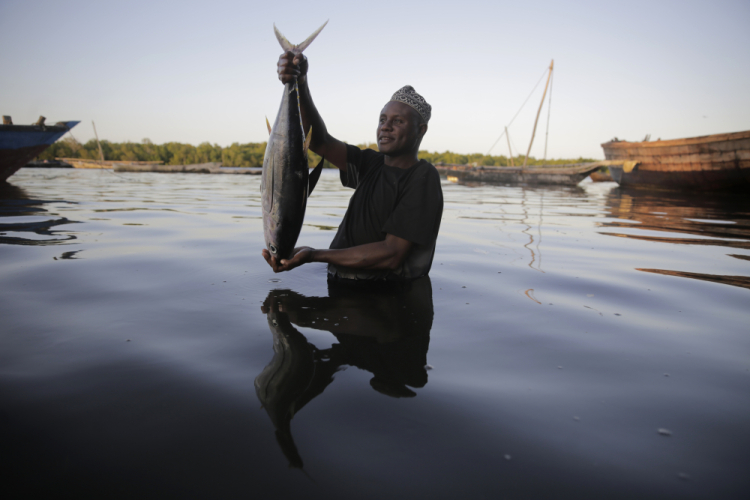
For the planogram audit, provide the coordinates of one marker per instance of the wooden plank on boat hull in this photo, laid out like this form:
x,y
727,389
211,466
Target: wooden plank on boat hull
x,y
13,159
693,158
693,166
693,180
717,139
624,150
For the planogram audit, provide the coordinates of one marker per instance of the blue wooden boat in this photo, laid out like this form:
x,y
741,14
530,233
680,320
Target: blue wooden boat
x,y
20,144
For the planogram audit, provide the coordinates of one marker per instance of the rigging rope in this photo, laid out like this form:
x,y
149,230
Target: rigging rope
x,y
519,110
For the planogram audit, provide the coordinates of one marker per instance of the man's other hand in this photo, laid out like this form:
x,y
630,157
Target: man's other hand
x,y
300,255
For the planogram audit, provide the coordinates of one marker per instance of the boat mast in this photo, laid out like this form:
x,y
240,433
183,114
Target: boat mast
x,y
101,154
510,151
533,132
549,112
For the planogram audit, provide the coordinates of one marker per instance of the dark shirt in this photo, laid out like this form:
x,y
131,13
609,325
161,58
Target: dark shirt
x,y
407,203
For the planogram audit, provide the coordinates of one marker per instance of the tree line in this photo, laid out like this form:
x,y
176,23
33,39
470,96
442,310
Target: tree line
x,y
245,155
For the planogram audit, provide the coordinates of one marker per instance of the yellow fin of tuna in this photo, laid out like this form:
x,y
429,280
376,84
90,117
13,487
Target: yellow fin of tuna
x,y
268,125
308,139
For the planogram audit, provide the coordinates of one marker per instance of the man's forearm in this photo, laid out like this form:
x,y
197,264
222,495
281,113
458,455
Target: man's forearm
x,y
310,116
322,143
379,255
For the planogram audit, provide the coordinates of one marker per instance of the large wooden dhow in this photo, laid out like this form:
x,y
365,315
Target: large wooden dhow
x,y
566,174
708,163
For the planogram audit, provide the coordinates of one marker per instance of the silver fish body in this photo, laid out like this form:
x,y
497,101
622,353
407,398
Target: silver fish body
x,y
286,181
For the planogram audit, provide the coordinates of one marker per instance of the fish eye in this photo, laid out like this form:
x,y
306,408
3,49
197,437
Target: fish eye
x,y
272,249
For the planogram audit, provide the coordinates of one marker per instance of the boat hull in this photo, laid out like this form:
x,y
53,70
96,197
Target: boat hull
x,y
601,177
19,144
560,175
88,163
710,163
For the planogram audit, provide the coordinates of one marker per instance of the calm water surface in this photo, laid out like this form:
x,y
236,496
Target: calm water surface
x,y
583,342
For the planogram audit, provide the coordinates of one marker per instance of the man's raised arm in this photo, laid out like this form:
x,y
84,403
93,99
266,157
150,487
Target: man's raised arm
x,y
293,66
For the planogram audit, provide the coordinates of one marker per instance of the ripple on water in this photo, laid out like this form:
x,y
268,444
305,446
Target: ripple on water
x,y
150,325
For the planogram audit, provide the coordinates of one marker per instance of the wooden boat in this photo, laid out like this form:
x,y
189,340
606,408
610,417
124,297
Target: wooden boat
x,y
86,163
568,175
19,144
601,177
708,163
196,168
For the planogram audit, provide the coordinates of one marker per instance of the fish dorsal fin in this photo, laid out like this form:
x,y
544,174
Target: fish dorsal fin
x,y
314,176
297,49
307,141
268,125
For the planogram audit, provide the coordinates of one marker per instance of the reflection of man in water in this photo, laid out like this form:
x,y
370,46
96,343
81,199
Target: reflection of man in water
x,y
392,222
385,331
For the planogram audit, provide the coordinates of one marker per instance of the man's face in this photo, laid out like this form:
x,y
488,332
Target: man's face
x,y
398,129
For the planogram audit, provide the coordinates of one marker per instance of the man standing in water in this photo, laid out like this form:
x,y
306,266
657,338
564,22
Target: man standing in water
x,y
392,222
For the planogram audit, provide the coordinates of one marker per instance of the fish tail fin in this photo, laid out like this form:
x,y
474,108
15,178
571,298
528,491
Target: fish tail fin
x,y
314,176
268,125
285,44
310,38
297,49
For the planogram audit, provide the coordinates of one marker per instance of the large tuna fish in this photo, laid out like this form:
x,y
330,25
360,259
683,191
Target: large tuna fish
x,y
286,181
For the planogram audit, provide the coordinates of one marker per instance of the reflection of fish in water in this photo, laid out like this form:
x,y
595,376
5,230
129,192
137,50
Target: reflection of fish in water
x,y
393,349
296,374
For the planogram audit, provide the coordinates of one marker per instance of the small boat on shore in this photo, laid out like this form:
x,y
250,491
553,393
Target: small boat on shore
x,y
708,163
566,175
601,177
87,163
19,144
196,168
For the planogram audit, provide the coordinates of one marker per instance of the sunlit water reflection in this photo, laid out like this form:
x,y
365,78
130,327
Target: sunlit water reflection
x,y
563,328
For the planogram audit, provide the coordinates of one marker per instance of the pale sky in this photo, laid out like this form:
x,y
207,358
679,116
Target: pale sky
x,y
192,71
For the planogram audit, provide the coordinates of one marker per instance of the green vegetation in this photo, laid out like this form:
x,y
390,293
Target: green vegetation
x,y
171,153
243,155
